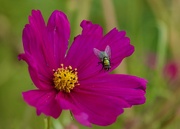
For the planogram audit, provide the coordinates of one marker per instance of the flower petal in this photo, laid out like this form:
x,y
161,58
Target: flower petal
x,y
119,44
59,32
39,47
81,117
82,47
35,41
80,54
103,97
89,29
88,107
44,101
129,88
66,103
101,109
40,77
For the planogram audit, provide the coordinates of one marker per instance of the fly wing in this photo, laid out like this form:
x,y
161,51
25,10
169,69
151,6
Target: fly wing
x,y
98,53
108,51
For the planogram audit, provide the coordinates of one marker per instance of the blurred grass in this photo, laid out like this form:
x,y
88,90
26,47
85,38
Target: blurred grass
x,y
140,19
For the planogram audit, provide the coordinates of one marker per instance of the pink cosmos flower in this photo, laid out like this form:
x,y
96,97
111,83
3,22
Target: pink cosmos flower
x,y
171,70
73,80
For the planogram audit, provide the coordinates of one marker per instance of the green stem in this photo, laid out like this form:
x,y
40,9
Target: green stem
x,y
162,44
47,123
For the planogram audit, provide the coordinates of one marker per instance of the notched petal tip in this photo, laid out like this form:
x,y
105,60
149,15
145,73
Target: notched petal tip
x,y
24,57
142,83
85,23
35,11
91,29
19,57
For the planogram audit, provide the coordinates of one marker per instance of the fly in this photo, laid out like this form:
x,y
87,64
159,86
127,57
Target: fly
x,y
104,57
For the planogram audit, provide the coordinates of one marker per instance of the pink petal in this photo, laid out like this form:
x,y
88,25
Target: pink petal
x,y
40,80
89,29
88,107
36,41
43,46
104,97
81,117
44,101
82,57
91,107
63,100
129,88
100,109
59,32
67,103
80,54
119,44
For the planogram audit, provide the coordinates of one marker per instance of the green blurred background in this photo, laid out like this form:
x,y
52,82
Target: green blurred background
x,y
154,29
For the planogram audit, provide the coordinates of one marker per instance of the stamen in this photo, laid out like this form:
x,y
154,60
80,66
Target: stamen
x,y
65,79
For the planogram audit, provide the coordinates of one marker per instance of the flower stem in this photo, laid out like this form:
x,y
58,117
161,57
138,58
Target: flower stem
x,y
47,123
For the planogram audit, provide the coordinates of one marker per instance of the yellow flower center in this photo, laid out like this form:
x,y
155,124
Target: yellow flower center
x,y
65,79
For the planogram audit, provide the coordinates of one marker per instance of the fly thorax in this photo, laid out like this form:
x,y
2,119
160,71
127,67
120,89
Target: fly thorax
x,y
106,61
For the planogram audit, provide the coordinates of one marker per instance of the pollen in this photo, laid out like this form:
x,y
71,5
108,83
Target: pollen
x,y
65,78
